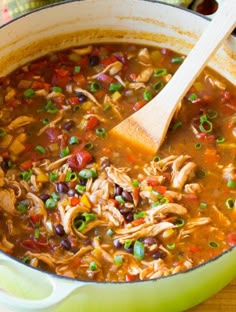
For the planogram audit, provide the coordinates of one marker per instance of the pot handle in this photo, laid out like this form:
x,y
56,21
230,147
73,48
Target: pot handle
x,y
60,288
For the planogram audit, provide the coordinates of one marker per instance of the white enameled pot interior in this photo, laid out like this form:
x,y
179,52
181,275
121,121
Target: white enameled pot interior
x,y
83,22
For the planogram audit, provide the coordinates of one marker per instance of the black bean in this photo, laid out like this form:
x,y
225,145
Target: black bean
x,y
59,229
82,181
105,163
117,243
118,190
66,244
129,217
82,97
44,197
127,196
72,192
130,249
69,124
62,187
150,240
94,60
5,164
159,254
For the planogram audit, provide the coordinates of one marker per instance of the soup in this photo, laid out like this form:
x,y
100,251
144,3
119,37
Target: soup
x,y
79,204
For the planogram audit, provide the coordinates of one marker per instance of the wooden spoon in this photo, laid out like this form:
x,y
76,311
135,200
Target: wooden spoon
x,y
146,129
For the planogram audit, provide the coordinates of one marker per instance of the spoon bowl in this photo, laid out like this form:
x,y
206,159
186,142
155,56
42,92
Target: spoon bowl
x,y
146,129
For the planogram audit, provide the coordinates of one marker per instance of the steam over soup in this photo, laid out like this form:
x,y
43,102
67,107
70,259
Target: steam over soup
x,y
77,203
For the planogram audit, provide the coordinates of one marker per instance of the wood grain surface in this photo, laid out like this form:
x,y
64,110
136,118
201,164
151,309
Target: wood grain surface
x,y
225,301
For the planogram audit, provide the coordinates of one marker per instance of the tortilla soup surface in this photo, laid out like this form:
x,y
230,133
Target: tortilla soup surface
x,y
79,204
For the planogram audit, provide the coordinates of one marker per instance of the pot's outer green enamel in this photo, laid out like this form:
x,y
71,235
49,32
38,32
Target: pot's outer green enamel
x,y
83,22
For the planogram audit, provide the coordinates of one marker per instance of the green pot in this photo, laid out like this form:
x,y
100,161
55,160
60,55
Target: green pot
x,y
81,22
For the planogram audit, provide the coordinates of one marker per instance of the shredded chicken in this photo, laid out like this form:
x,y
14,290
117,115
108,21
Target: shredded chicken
x,y
20,122
8,200
119,177
145,75
37,206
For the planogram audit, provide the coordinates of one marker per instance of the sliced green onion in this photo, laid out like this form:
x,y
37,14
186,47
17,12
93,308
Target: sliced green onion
x,y
88,146
212,114
50,203
231,184
213,244
164,200
36,233
51,107
177,60
230,203
139,215
110,232
139,250
74,140
179,222
135,183
46,121
29,93
26,175
77,69
177,125
95,86
206,126
198,146
147,95
203,204
170,246
80,188
93,266
158,86
26,260
57,89
87,174
118,259
80,225
53,176
70,176
115,87
220,140
40,149
192,97
160,72
65,151
128,244
156,158
106,107
200,173
2,132
76,107
101,132
22,207
120,199
55,196
89,216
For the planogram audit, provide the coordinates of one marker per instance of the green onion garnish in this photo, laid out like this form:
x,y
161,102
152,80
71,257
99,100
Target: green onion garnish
x,y
115,87
128,244
211,113
21,207
198,145
110,232
55,196
120,199
87,174
205,125
139,250
93,266
118,259
170,246
160,72
213,244
192,97
40,149
80,188
200,173
231,184
135,183
147,95
230,203
50,203
158,86
156,158
53,176
139,215
74,140
46,121
177,125
95,86
220,140
177,60
88,146
26,175
203,204
89,216
106,107
29,93
65,151
77,69
2,132
101,132
36,233
80,225
70,176
57,89
51,107
179,222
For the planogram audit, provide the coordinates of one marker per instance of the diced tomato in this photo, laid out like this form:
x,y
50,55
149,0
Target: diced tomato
x,y
73,100
27,147
211,156
80,79
84,61
61,78
74,201
38,85
194,249
108,60
92,123
161,189
133,76
190,197
30,245
5,154
13,103
136,196
152,181
53,134
129,277
35,218
114,202
26,165
79,160
138,222
231,239
170,199
139,105
99,94
131,158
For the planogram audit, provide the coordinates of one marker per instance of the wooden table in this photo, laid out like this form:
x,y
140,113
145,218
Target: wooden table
x,y
224,301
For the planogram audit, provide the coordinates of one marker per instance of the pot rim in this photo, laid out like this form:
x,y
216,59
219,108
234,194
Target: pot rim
x,y
53,275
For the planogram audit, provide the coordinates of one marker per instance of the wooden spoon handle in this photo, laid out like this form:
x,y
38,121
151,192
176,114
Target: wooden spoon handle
x,y
147,128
